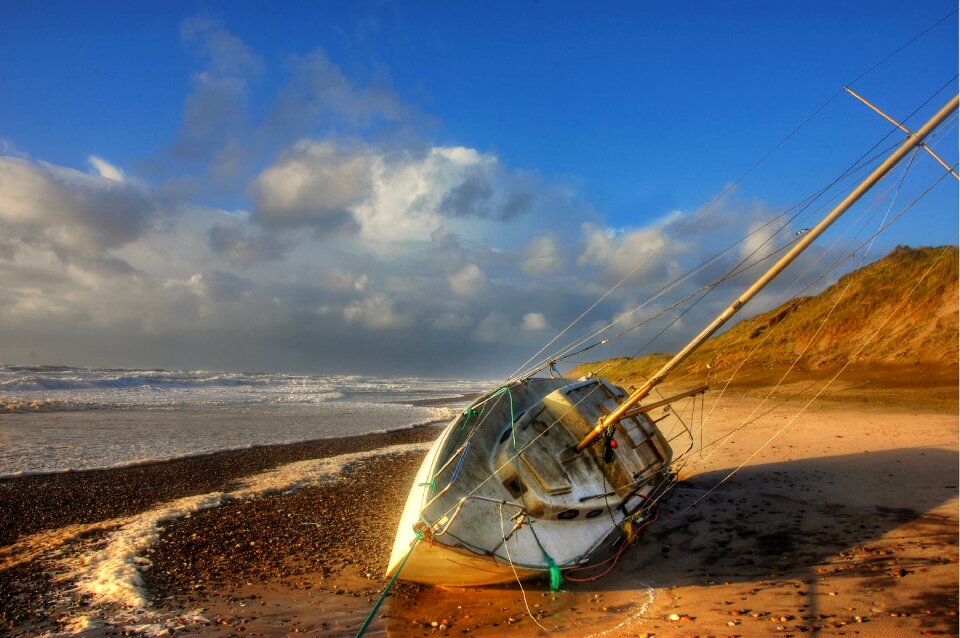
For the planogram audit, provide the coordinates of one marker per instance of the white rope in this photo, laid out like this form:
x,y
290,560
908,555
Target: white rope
x,y
868,242
789,423
523,593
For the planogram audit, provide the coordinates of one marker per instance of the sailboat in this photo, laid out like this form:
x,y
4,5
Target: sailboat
x,y
545,475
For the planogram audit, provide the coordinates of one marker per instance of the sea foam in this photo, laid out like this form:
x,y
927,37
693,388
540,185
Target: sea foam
x,y
113,572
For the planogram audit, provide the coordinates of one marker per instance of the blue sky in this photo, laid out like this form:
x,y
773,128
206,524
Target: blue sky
x,y
411,174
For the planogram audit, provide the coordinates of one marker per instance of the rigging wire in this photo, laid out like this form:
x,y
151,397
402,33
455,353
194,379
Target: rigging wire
x,y
882,229
512,459
832,268
866,242
697,215
701,212
860,164
523,593
902,47
816,396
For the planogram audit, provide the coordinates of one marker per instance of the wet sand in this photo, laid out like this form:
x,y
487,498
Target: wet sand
x,y
844,524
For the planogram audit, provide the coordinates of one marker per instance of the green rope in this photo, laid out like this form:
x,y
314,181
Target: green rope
x,y
513,425
386,590
469,412
556,577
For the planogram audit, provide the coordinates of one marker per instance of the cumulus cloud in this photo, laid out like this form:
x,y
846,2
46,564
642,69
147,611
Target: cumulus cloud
x,y
319,93
494,328
8,148
329,186
542,256
485,190
469,282
216,114
347,236
535,322
376,312
620,253
315,185
79,216
759,241
450,321
497,327
246,247
105,168
336,280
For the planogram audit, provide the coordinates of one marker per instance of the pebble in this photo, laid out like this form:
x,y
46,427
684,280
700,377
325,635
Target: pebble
x,y
674,617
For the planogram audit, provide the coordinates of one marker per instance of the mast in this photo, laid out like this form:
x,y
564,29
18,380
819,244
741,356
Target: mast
x,y
913,140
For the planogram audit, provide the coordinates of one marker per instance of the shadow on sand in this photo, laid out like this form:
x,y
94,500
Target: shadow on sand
x,y
793,527
779,517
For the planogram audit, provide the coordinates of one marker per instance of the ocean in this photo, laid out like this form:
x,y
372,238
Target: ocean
x,y
56,418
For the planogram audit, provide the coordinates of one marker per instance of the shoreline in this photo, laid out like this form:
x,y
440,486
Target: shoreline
x,y
846,513
204,455
118,491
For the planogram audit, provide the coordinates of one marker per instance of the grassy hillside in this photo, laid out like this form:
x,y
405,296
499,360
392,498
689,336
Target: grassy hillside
x,y
833,326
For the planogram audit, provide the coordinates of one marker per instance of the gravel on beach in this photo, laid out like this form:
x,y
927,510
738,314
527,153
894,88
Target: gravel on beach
x,y
47,501
351,521
316,530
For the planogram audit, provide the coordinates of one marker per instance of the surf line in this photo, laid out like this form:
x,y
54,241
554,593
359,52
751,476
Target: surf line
x,y
112,574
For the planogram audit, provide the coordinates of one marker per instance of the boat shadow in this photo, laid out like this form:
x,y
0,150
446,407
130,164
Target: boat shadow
x,y
785,525
797,519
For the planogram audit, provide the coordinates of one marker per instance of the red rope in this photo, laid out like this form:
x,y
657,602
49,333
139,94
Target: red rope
x,y
616,557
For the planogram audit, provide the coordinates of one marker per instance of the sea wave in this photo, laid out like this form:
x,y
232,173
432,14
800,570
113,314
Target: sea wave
x,y
44,405
64,378
75,387
32,458
109,573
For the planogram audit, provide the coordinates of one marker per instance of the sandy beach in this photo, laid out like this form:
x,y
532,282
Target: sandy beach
x,y
842,521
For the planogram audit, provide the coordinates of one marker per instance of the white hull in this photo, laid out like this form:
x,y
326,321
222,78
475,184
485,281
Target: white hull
x,y
471,490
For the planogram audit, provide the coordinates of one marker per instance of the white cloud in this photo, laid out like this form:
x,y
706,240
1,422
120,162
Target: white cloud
x,y
244,247
542,256
424,233
389,196
535,322
376,312
337,280
77,215
497,327
216,114
316,184
408,193
759,241
623,252
470,282
106,169
452,321
494,328
318,90
8,148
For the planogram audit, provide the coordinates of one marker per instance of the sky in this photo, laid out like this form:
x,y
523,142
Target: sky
x,y
434,188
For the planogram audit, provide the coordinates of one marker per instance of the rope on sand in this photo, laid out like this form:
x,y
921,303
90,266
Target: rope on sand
x,y
386,590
